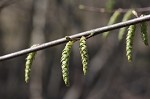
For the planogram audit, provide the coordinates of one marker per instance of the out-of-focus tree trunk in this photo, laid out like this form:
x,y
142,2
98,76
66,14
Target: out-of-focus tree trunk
x,y
37,37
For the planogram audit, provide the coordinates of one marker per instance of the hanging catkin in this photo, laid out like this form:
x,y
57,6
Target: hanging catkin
x,y
112,20
65,62
144,34
126,17
129,41
29,61
84,54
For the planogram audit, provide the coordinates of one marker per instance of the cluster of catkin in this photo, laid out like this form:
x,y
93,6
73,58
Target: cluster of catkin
x,y
130,38
64,59
66,56
130,31
83,47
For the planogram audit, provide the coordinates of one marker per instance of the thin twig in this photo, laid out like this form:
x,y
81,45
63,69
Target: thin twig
x,y
7,3
103,10
86,33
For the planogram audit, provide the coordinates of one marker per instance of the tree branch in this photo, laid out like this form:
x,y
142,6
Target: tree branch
x,y
6,3
86,33
104,10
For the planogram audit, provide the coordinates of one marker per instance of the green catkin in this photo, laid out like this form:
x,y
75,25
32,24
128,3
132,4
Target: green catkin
x,y
144,34
112,20
28,64
65,62
126,17
84,54
129,41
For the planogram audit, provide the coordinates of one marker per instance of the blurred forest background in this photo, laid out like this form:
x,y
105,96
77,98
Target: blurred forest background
x,y
27,22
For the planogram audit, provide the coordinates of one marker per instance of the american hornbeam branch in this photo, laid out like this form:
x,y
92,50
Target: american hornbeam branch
x,y
86,33
104,10
6,3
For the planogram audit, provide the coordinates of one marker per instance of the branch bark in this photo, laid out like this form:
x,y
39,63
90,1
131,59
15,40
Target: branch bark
x,y
86,33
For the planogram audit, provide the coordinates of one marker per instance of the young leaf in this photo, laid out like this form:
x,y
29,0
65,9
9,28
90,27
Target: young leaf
x,y
126,17
84,54
112,20
129,41
65,62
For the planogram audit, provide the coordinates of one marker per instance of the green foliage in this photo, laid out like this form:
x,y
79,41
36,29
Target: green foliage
x,y
129,42
65,62
144,33
126,17
112,20
84,54
28,64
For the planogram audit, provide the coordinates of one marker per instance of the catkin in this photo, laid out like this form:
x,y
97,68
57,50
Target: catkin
x,y
84,54
65,62
28,64
126,17
144,34
129,41
112,20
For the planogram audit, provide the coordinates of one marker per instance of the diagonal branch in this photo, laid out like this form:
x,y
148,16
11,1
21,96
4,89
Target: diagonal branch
x,y
6,3
104,10
86,33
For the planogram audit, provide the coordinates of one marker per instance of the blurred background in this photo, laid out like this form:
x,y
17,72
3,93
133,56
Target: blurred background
x,y
110,76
